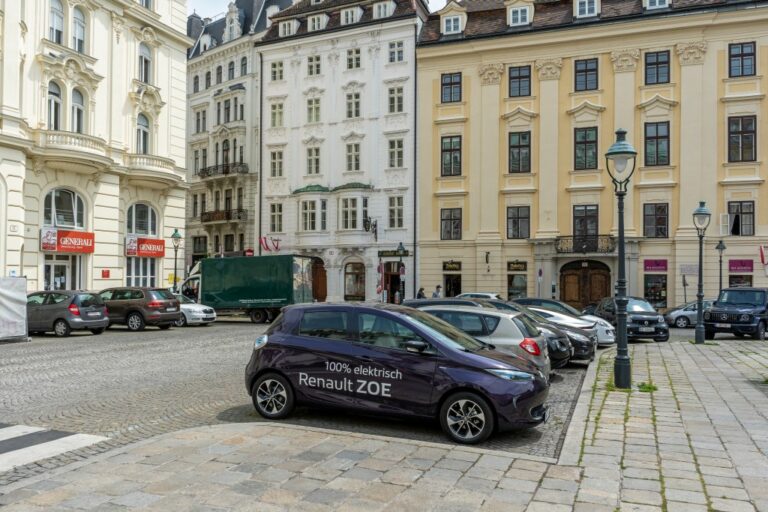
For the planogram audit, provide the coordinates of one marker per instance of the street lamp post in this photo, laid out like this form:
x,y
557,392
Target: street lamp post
x,y
701,218
176,240
720,248
620,153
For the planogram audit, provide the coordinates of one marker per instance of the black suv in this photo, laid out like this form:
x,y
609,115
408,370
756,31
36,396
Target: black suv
x,y
643,322
739,311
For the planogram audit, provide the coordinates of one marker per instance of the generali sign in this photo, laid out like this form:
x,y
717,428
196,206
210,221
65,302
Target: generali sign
x,y
65,241
144,247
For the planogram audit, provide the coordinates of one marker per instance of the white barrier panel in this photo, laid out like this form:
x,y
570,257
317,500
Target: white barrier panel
x,y
13,307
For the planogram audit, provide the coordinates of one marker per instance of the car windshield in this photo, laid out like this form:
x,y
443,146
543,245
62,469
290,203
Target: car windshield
x,y
444,332
639,306
745,297
533,315
570,309
184,299
161,295
526,326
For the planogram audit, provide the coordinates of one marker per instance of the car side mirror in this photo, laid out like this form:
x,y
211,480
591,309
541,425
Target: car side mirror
x,y
416,346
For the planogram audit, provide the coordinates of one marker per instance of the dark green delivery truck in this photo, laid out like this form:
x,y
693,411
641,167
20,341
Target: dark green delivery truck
x,y
254,285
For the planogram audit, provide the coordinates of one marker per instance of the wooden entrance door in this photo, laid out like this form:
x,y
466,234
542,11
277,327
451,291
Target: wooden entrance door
x,y
319,281
584,282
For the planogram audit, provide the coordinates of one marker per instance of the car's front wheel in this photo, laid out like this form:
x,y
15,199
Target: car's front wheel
x,y
681,322
61,328
760,332
466,418
135,322
272,396
182,321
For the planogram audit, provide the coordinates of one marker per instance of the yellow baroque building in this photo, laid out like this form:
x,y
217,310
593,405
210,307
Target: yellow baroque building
x,y
518,102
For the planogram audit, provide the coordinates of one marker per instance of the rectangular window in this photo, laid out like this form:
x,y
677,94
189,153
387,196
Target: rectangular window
x,y
736,281
141,272
227,111
656,290
323,214
353,157
276,218
450,88
450,224
240,198
199,244
313,161
587,8
228,199
276,164
197,160
308,216
229,243
656,68
585,148
381,10
313,65
396,212
586,75
277,71
276,118
451,25
519,81
353,58
313,110
741,59
349,213
518,16
741,218
203,206
218,112
520,152
741,138
241,241
197,122
204,120
396,153
395,100
517,286
286,28
450,155
204,158
518,222
349,16
315,23
396,53
656,220
353,105
657,143
194,205
657,4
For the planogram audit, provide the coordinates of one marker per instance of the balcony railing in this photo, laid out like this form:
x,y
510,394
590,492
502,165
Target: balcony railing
x,y
603,244
71,140
236,215
150,162
223,170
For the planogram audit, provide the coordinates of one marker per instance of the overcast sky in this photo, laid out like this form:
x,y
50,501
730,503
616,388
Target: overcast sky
x,y
210,8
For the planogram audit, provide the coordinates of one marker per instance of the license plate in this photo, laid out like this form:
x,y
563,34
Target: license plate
x,y
646,329
723,326
94,313
171,309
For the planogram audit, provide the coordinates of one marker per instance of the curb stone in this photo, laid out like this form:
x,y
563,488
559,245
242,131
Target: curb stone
x,y
574,436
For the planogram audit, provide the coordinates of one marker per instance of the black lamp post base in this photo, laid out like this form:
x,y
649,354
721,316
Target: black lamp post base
x,y
622,372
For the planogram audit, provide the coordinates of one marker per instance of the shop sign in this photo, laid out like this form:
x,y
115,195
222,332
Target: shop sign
x,y
689,269
655,265
144,247
517,266
65,241
451,266
105,273
249,252
740,265
392,254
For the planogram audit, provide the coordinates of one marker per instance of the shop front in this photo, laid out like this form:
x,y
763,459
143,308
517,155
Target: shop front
x,y
451,278
740,273
65,260
655,282
143,249
392,275
517,279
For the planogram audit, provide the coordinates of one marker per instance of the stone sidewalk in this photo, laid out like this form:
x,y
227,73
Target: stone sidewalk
x,y
694,437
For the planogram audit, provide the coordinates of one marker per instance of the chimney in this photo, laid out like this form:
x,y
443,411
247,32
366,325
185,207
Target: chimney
x,y
194,26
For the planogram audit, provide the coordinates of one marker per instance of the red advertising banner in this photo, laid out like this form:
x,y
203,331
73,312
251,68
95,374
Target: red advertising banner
x,y
144,247
66,242
655,265
740,265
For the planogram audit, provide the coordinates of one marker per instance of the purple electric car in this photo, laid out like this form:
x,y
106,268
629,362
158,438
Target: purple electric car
x,y
392,360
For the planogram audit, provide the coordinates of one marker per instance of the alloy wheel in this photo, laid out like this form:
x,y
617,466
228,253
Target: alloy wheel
x,y
61,328
466,419
271,397
134,322
681,322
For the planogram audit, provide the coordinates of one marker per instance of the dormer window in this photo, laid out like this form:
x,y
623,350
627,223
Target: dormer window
x,y
382,10
451,25
586,8
350,16
316,23
286,28
519,16
657,4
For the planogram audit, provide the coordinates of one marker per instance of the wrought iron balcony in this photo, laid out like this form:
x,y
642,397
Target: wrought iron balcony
x,y
223,170
603,244
236,215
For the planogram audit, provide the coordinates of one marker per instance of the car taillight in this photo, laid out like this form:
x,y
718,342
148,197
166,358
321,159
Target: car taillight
x,y
530,346
106,311
155,304
74,309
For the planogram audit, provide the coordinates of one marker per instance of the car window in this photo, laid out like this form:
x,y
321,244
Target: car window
x,y
491,322
608,306
444,332
36,299
384,332
121,294
637,305
88,299
503,306
742,297
107,294
184,300
135,294
527,327
161,295
57,298
324,324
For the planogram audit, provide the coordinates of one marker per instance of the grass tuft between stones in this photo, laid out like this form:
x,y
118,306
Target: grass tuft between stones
x,y
647,387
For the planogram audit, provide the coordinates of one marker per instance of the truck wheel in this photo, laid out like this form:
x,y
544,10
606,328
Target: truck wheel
x,y
258,316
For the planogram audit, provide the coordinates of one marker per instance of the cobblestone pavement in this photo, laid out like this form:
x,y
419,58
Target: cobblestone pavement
x,y
131,387
698,442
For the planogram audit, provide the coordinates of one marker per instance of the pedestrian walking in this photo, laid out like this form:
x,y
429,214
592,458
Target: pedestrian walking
x,y
420,294
436,293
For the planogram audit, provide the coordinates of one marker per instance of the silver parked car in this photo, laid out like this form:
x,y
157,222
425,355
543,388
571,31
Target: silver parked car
x,y
193,313
506,330
685,315
602,329
479,295
64,311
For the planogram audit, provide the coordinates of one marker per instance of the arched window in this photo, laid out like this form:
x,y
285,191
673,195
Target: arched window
x,y
244,66
142,220
218,74
54,106
196,84
207,79
231,71
225,152
142,134
145,63
56,23
64,209
78,30
78,111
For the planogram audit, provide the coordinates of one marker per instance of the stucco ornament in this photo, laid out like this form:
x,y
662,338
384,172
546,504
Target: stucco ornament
x,y
691,53
147,35
70,69
117,26
549,69
490,74
147,99
625,60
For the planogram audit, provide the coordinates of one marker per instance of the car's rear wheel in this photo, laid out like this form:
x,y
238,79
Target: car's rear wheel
x,y
135,322
466,418
61,328
97,330
760,332
182,321
681,322
272,396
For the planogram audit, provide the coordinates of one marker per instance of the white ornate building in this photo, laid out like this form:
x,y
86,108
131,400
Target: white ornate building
x,y
339,141
91,141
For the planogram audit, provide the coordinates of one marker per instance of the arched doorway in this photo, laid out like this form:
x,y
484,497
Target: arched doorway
x,y
319,280
584,282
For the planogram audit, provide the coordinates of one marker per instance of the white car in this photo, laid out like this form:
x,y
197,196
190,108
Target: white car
x,y
606,334
193,313
479,295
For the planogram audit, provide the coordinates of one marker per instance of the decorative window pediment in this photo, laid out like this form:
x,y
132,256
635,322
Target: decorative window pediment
x,y
519,12
453,18
146,35
353,137
313,92
658,106
586,111
72,70
147,99
312,141
353,86
519,117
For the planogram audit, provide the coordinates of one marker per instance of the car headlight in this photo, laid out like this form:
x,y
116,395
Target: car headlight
x,y
515,375
744,318
260,342
578,337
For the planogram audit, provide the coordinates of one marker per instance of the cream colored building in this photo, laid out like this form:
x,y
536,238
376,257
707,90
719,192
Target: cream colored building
x,y
518,103
93,117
